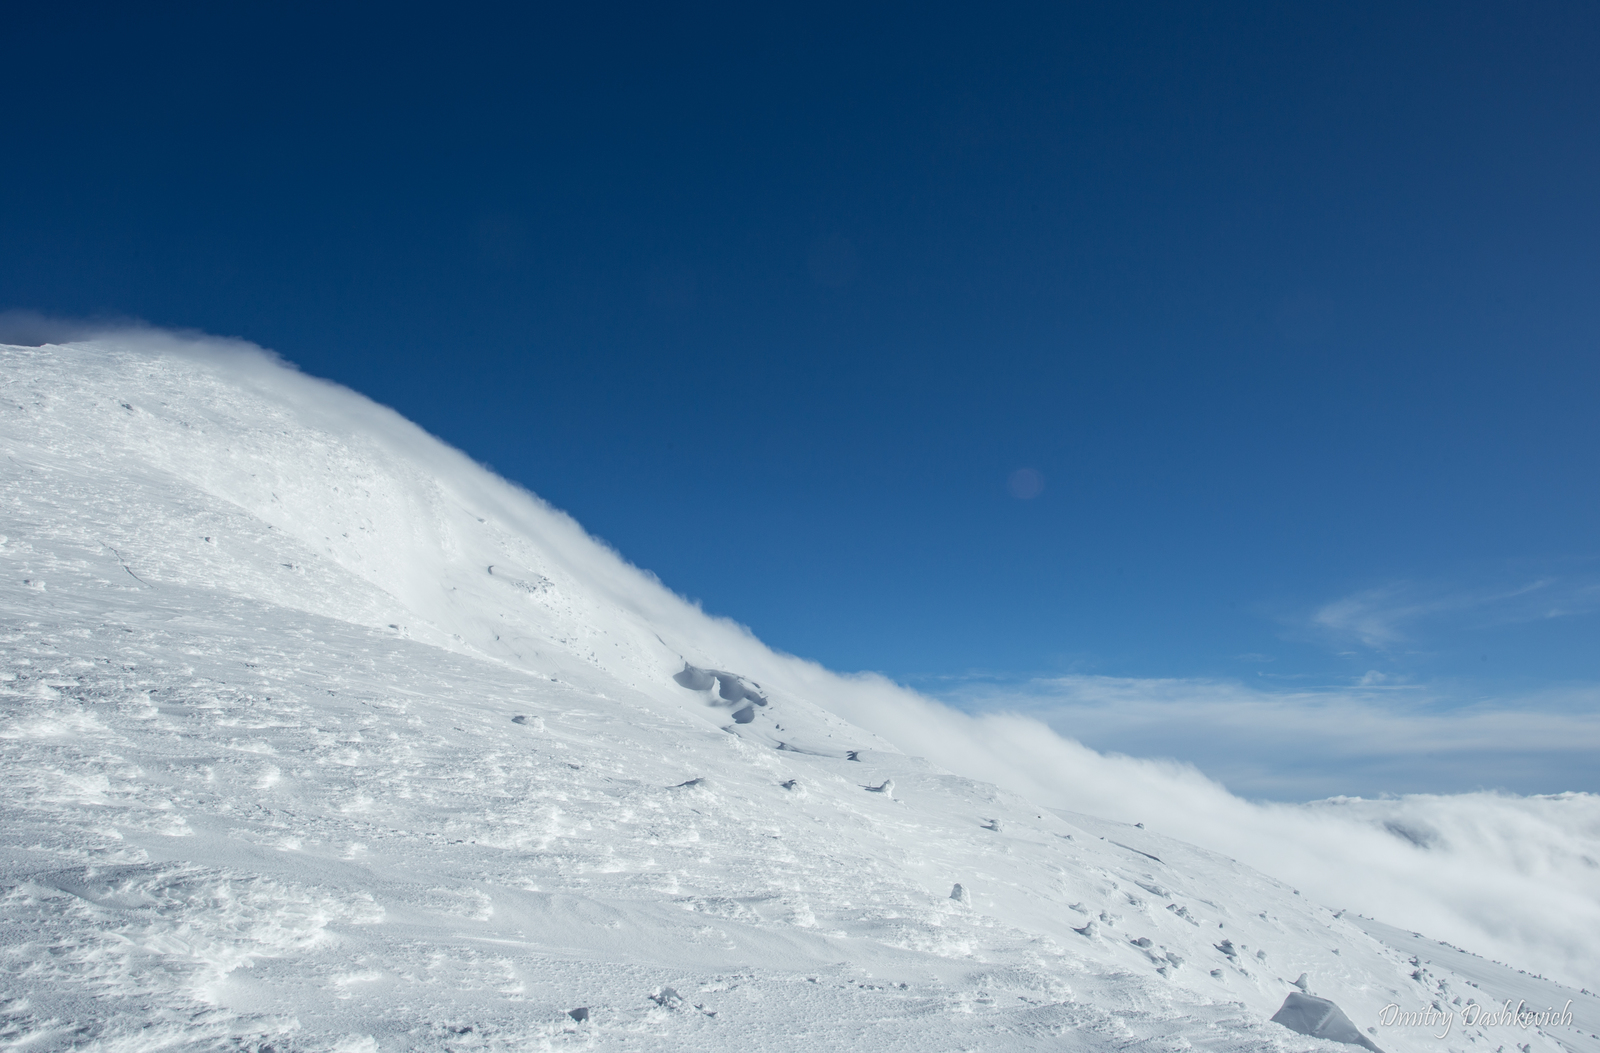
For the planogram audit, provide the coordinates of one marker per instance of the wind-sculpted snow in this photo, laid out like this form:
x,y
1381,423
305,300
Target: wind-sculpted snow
x,y
318,736
731,690
1309,1015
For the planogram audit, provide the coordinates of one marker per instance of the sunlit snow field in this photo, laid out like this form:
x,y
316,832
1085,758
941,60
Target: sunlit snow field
x,y
317,735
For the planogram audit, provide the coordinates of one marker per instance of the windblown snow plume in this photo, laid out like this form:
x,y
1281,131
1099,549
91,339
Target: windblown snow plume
x,y
317,735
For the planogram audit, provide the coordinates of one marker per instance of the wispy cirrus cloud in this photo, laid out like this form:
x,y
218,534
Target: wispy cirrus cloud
x,y
1391,616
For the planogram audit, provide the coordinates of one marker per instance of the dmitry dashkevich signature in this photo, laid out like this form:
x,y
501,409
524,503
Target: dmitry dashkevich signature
x,y
1474,1015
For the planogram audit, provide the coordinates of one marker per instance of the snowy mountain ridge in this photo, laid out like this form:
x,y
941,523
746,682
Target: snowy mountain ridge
x,y
318,735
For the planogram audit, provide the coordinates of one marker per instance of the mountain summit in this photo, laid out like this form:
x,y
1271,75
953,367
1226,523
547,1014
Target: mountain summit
x,y
319,736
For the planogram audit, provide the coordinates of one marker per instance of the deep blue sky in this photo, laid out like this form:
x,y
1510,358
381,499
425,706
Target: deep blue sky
x,y
1290,305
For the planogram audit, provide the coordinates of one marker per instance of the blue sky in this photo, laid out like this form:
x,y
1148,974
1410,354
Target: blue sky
x,y
1291,312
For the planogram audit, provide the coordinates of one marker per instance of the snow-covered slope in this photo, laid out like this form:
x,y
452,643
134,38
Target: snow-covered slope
x,y
316,735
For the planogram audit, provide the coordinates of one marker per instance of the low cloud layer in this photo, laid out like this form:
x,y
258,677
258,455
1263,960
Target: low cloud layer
x,y
1508,877
1376,737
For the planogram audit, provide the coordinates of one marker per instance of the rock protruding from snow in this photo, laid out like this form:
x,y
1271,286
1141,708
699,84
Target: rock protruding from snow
x,y
960,895
1306,1014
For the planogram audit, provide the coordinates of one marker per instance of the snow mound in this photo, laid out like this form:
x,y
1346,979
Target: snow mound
x,y
1306,1014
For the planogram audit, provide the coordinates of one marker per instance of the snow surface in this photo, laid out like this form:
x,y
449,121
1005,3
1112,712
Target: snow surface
x,y
316,735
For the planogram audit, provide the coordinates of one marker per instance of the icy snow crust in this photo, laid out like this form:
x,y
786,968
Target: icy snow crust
x,y
318,736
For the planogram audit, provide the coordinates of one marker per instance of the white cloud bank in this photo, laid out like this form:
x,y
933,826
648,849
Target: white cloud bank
x,y
1375,737
1514,878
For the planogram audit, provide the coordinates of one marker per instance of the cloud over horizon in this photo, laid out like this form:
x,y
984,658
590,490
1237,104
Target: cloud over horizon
x,y
1378,735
